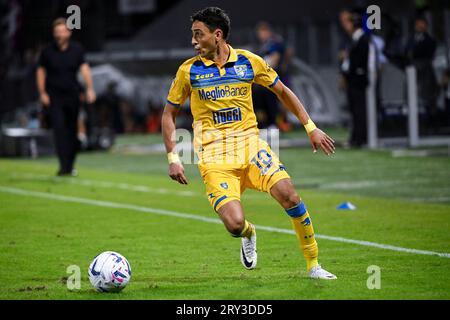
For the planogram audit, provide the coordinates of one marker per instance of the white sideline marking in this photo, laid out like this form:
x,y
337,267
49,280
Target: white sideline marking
x,y
116,185
205,219
431,199
365,184
101,184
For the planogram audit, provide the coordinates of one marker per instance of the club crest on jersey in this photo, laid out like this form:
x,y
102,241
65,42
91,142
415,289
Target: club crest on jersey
x,y
240,70
224,185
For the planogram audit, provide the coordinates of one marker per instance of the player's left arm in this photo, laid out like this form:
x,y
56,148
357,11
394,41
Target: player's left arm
x,y
85,71
290,101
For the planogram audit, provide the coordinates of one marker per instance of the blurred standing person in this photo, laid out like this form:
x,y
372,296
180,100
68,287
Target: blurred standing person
x,y
420,51
445,82
345,20
153,119
359,61
108,108
59,90
380,61
273,51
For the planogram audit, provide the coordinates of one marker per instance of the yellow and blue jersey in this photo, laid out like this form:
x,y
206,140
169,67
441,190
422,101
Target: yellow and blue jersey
x,y
231,155
221,96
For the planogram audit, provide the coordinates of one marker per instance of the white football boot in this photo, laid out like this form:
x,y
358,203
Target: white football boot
x,y
248,251
318,273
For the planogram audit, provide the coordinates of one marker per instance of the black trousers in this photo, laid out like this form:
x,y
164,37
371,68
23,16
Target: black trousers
x,y
64,118
357,104
265,100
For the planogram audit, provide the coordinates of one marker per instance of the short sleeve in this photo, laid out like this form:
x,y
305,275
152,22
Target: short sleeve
x,y
265,75
81,56
180,88
43,59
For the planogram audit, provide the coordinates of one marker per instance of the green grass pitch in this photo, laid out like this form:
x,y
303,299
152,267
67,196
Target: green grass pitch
x,y
113,205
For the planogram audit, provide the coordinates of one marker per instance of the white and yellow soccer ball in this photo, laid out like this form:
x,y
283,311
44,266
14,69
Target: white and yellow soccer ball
x,y
109,272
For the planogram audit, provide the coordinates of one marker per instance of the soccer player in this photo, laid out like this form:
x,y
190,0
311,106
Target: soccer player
x,y
231,155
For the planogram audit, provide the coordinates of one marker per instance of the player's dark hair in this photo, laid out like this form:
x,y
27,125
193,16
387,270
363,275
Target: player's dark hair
x,y
58,21
357,18
263,25
421,17
214,18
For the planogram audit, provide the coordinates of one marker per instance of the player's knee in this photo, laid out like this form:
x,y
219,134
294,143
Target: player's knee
x,y
290,200
294,199
235,227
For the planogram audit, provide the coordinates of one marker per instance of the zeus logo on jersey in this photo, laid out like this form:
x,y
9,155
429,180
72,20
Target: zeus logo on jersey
x,y
219,93
227,115
204,76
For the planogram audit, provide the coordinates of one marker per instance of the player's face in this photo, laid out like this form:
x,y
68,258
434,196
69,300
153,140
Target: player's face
x,y
263,34
61,34
420,26
345,18
203,40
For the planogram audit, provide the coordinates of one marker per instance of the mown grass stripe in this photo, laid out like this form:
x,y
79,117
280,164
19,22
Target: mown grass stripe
x,y
116,205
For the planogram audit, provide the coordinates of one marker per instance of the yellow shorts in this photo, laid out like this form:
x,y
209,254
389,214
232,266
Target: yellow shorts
x,y
226,182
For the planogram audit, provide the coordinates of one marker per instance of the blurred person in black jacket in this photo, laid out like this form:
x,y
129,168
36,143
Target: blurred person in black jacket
x,y
420,51
273,51
445,82
59,91
109,109
358,60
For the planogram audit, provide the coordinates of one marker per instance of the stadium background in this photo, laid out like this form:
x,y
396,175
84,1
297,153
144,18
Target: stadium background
x,y
401,189
140,46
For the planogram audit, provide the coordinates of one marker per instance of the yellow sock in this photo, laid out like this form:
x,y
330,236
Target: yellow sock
x,y
304,230
248,230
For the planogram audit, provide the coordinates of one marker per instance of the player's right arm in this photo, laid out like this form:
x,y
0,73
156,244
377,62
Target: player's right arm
x,y
41,75
40,81
178,93
168,123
